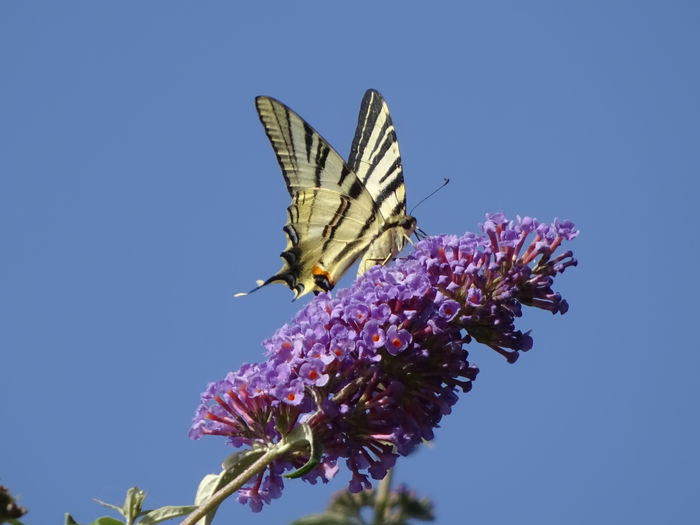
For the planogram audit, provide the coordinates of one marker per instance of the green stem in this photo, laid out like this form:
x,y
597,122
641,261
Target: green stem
x,y
235,484
381,500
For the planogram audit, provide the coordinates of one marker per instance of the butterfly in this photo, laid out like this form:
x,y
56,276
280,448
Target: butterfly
x,y
340,212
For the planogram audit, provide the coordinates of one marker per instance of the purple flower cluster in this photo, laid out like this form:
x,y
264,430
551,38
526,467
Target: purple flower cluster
x,y
487,278
373,370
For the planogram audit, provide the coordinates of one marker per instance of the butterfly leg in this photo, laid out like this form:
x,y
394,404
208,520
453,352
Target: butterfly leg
x,y
380,261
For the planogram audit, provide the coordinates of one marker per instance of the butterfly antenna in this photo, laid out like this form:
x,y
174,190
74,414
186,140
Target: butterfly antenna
x,y
445,181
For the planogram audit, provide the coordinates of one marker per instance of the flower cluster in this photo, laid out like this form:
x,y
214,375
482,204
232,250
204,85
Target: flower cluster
x,y
373,370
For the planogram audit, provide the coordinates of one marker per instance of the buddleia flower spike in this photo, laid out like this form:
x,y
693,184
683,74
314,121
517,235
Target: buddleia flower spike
x,y
364,377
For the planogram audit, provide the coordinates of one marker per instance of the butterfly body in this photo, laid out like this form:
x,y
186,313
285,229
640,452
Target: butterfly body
x,y
340,212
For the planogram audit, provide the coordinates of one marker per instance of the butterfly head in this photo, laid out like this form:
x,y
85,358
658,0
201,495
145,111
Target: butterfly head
x,y
409,226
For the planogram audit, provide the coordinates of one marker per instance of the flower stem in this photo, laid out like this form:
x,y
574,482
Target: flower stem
x,y
382,499
236,483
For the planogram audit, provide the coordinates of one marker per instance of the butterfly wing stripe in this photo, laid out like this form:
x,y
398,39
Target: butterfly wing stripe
x,y
344,174
350,246
330,232
384,140
387,191
321,157
369,110
398,210
335,222
308,139
366,120
291,150
393,169
356,190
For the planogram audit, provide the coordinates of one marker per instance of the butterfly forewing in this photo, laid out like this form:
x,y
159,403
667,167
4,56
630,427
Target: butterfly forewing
x,y
375,157
306,158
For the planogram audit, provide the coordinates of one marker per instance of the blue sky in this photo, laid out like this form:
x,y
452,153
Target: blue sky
x,y
138,192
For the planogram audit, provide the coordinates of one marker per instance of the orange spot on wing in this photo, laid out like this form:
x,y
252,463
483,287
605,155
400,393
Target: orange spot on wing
x,y
320,270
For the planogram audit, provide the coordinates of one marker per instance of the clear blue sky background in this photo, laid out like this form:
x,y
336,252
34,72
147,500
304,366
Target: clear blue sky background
x,y
139,192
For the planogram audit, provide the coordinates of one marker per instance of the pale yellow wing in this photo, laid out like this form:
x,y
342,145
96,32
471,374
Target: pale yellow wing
x,y
332,218
375,158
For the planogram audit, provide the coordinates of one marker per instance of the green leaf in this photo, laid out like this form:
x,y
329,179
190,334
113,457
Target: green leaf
x,y
232,466
326,518
120,510
131,509
208,486
304,434
106,520
413,507
239,461
165,513
133,503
